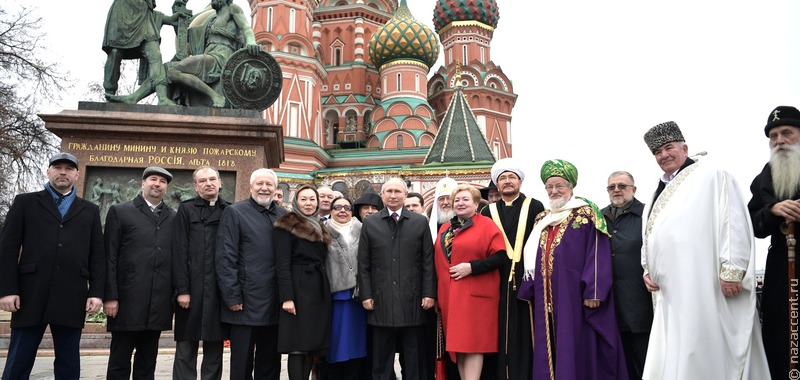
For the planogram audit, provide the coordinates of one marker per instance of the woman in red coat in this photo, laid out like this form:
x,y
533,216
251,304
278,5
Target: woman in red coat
x,y
468,289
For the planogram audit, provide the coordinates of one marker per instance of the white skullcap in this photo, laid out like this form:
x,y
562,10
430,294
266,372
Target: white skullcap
x,y
507,165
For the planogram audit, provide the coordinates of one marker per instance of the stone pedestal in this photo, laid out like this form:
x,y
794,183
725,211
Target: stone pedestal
x,y
115,142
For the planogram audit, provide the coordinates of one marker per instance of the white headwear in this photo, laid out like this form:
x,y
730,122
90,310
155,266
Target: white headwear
x,y
507,165
445,186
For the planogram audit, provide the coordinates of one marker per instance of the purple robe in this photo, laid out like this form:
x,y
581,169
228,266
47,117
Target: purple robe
x,y
587,341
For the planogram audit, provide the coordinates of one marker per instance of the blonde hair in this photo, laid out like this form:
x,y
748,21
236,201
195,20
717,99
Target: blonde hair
x,y
476,195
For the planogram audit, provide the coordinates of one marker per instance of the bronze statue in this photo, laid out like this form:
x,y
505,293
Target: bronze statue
x,y
133,31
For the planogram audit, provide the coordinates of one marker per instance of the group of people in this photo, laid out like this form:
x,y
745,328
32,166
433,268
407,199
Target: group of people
x,y
508,289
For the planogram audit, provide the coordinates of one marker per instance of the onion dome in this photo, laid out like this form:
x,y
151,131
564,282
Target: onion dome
x,y
403,38
448,11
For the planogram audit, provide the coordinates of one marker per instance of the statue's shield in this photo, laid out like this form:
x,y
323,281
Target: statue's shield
x,y
252,81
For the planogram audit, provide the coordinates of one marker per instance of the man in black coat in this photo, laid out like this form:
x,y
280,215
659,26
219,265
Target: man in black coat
x,y
195,280
52,269
138,297
245,263
514,213
634,305
774,204
396,282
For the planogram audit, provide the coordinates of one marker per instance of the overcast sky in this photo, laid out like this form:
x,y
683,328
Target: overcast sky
x,y
591,77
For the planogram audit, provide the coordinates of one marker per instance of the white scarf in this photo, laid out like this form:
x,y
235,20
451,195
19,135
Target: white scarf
x,y
344,229
553,218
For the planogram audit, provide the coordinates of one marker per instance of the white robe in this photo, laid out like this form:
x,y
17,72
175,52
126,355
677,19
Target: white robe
x,y
699,232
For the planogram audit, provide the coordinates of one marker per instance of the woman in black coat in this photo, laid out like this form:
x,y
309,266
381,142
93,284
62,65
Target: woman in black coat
x,y
301,244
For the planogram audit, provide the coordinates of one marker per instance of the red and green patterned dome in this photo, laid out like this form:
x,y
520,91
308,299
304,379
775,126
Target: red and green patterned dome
x,y
448,11
403,37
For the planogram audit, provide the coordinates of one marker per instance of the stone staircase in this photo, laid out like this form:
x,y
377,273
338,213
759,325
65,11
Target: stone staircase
x,y
94,339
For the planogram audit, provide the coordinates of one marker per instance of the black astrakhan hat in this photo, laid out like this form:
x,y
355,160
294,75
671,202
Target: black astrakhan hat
x,y
661,134
782,115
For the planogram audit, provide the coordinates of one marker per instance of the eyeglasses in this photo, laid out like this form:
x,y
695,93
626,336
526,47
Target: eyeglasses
x,y
558,187
342,207
621,186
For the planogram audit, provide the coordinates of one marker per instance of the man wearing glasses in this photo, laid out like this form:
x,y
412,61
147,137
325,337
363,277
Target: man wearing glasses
x,y
634,305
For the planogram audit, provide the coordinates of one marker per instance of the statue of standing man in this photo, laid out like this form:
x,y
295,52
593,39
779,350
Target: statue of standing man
x,y
133,30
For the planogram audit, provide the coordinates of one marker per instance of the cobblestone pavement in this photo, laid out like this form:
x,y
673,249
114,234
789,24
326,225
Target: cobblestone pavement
x,y
94,366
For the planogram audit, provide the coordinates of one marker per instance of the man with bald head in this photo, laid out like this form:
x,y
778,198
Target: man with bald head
x,y
326,195
514,215
245,264
396,282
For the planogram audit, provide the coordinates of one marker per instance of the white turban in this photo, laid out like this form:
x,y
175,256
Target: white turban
x,y
445,186
507,165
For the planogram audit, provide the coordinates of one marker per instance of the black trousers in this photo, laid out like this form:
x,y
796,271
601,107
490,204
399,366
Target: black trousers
x,y
123,344
185,366
254,350
635,347
411,340
25,343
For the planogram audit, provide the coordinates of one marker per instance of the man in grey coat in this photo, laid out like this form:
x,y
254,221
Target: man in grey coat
x,y
197,314
138,295
396,282
245,264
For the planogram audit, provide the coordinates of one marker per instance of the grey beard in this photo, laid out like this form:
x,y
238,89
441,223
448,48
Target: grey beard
x,y
785,169
557,204
445,217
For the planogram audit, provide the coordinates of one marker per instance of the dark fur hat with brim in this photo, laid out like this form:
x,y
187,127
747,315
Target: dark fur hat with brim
x,y
782,115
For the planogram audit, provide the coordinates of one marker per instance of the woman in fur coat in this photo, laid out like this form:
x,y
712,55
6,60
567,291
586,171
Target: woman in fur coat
x,y
301,245
349,319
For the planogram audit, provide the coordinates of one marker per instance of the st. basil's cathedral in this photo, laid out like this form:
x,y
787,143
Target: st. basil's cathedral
x,y
357,106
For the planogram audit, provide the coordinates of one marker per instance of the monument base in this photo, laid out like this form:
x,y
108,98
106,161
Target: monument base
x,y
115,142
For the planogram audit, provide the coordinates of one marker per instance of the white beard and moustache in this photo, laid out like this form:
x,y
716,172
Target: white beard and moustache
x,y
557,204
785,167
445,216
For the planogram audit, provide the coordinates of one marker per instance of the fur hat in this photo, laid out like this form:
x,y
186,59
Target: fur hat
x,y
661,134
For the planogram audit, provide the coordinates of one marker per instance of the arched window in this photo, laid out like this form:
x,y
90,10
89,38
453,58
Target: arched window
x,y
464,55
399,141
292,20
269,19
337,56
399,81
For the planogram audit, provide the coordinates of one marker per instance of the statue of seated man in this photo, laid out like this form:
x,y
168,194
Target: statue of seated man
x,y
222,34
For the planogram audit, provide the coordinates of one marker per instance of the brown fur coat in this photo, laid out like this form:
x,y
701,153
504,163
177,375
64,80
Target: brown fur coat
x,y
303,229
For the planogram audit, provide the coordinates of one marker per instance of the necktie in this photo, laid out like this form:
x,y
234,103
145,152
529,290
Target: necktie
x,y
395,216
323,219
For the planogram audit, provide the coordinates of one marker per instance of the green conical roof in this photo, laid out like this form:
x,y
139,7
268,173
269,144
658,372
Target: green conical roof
x,y
403,37
460,138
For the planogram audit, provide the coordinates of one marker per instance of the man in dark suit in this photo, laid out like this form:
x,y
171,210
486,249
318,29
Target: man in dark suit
x,y
52,269
195,280
138,302
396,282
245,263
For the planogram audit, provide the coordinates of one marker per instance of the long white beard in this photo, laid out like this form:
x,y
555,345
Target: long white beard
x,y
785,167
445,216
556,204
